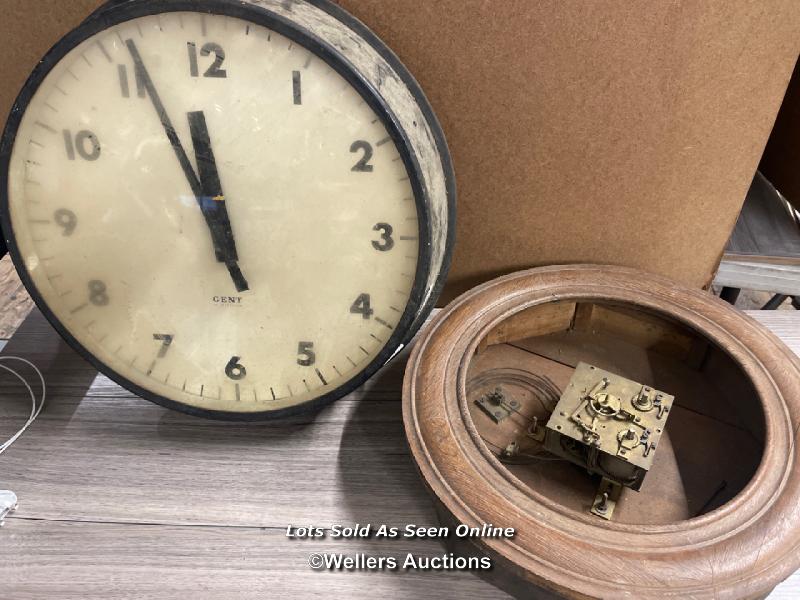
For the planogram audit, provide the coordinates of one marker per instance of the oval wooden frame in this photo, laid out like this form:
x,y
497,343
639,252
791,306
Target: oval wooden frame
x,y
740,550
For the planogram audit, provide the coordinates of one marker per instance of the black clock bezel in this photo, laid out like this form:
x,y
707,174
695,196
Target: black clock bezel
x,y
119,11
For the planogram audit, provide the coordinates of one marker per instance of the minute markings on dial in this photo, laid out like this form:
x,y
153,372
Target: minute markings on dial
x,y
382,322
297,91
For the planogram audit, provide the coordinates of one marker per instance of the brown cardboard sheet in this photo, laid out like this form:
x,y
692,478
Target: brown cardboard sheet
x,y
29,28
617,132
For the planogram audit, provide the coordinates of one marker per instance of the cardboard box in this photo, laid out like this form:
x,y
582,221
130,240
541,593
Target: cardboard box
x,y
615,132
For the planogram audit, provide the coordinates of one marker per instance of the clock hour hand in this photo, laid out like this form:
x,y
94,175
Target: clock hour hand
x,y
212,199
224,251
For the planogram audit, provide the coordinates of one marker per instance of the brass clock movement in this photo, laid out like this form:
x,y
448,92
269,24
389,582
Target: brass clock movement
x,y
632,432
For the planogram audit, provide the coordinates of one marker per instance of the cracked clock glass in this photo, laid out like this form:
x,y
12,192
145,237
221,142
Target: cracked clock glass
x,y
218,208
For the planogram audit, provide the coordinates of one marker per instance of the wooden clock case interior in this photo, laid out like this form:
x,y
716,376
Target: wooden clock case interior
x,y
715,436
718,513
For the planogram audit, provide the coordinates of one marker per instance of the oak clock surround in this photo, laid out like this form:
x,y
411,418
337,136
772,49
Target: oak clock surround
x,y
735,418
235,209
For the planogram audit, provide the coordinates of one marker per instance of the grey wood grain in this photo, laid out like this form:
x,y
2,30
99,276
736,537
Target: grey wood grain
x,y
120,498
111,456
63,560
784,324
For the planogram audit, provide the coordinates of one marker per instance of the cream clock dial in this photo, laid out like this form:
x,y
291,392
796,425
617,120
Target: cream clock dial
x,y
235,209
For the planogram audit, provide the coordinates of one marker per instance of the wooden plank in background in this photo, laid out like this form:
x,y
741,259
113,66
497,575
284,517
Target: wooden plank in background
x,y
773,278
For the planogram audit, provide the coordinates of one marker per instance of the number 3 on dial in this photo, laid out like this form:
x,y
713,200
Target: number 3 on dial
x,y
387,242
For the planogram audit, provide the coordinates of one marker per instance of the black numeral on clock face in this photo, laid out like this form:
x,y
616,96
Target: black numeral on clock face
x,y
166,340
124,84
66,219
209,48
362,166
297,88
386,242
97,293
362,306
85,143
234,370
305,354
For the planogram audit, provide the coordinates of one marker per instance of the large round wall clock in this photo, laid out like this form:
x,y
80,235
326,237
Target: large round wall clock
x,y
238,209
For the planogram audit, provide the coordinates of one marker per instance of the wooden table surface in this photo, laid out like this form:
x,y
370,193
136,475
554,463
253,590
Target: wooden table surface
x,y
120,498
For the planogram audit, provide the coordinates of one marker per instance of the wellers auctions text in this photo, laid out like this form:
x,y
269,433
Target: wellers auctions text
x,y
363,562
487,530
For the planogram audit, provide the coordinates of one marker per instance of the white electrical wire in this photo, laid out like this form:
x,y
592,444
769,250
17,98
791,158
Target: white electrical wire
x,y
36,408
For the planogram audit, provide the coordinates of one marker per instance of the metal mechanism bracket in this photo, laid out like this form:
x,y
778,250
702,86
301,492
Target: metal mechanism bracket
x,y
606,499
610,425
496,405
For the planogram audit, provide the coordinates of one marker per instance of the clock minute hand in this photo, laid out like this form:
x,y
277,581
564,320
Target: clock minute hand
x,y
212,199
188,171
144,77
